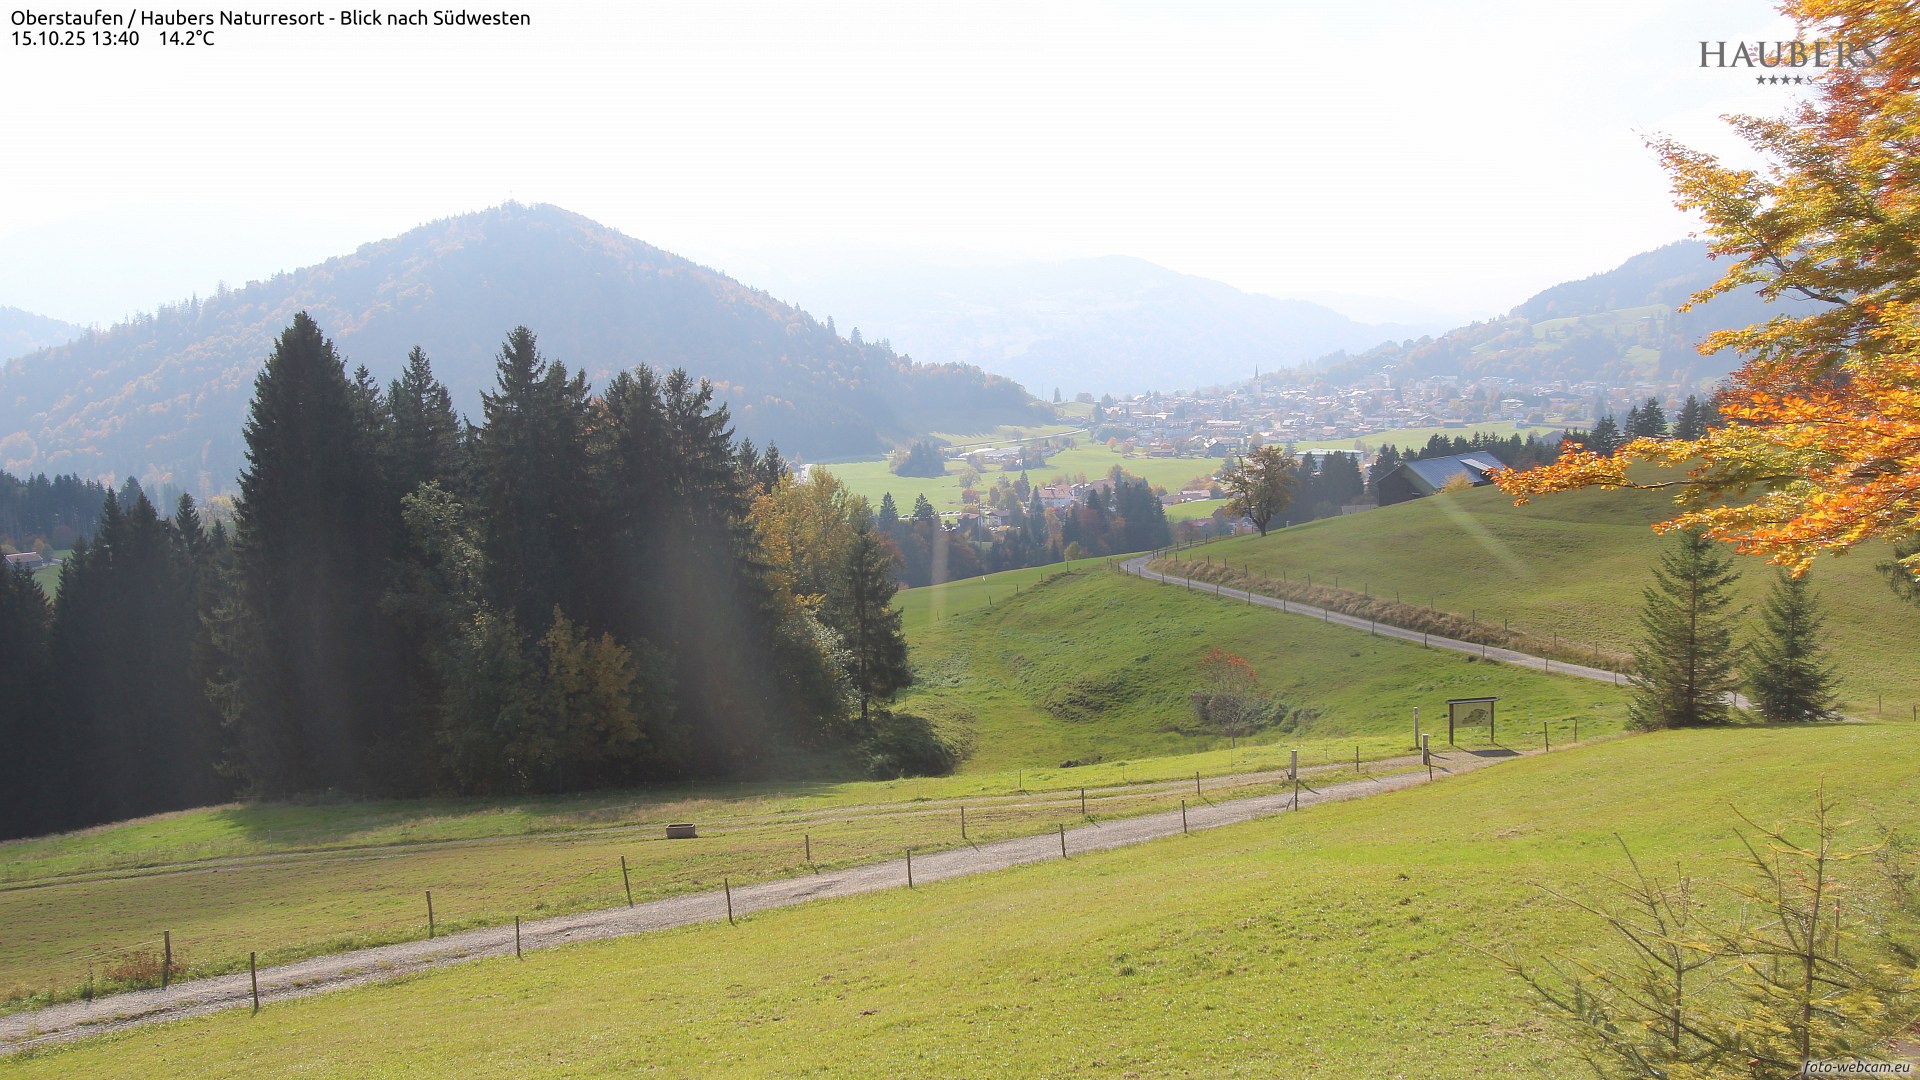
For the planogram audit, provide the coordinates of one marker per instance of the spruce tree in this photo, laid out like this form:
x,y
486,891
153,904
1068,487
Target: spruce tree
x,y
1604,439
314,678
1647,422
423,432
1692,422
123,646
1789,675
536,490
1684,663
860,609
38,759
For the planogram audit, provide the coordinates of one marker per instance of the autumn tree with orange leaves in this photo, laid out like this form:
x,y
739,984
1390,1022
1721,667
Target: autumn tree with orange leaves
x,y
1824,416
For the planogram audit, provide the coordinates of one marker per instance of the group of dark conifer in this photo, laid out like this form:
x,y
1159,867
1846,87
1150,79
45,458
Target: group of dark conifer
x,y
1686,665
568,595
1649,421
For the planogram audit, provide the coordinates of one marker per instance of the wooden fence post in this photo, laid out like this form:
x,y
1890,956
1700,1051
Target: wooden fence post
x,y
625,880
1183,815
429,913
1063,841
727,884
516,938
166,958
253,970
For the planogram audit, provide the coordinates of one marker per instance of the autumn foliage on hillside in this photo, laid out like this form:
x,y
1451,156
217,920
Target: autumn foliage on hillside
x,y
1824,415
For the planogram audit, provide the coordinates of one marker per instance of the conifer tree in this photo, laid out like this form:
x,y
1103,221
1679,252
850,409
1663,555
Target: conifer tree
x,y
34,768
1652,421
423,432
860,608
123,640
1604,439
314,681
1788,673
1692,421
1684,663
536,494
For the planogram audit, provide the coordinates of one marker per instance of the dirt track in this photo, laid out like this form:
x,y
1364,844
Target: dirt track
x,y
80,1019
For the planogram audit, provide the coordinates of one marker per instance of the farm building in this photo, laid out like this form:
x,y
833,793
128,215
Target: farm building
x,y
1413,479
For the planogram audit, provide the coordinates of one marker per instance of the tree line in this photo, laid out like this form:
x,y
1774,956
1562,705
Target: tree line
x,y
47,512
580,590
1012,527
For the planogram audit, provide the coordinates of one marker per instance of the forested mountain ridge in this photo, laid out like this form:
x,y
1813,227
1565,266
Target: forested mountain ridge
x,y
162,397
1618,327
22,332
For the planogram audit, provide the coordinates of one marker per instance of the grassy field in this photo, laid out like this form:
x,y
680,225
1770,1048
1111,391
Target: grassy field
x,y
872,480
999,658
1351,939
1574,565
293,881
48,578
1202,508
1418,436
1095,663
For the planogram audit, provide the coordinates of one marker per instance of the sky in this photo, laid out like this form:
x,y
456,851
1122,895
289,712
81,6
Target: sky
x,y
1457,156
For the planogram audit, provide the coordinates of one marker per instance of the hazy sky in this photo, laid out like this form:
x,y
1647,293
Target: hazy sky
x,y
1459,155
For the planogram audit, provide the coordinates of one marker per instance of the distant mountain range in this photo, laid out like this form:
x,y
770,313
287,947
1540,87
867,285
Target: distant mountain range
x,y
1109,325
163,397
1619,328
22,332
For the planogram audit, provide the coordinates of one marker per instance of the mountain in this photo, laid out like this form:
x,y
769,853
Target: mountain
x,y
1114,324
1619,327
163,396
22,332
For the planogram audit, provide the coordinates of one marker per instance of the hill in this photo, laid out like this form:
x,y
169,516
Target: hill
x,y
1621,327
163,397
1573,565
1093,665
1346,935
22,332
1109,325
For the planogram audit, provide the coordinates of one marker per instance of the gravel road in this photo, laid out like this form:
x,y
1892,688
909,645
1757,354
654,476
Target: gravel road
x,y
75,1020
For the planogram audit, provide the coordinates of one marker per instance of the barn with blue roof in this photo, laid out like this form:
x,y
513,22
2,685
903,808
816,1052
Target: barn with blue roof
x,y
1414,479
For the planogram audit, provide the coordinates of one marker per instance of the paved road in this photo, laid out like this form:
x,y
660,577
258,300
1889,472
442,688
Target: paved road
x,y
79,1019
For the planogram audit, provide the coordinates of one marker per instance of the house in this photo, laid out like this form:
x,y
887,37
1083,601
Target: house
x,y
29,559
1413,479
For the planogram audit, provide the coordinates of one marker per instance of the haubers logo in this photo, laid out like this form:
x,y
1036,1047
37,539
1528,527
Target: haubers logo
x,y
1785,54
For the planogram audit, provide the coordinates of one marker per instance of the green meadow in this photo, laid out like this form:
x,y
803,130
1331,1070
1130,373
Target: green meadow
x,y
1031,669
1575,565
1092,664
872,480
1356,938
